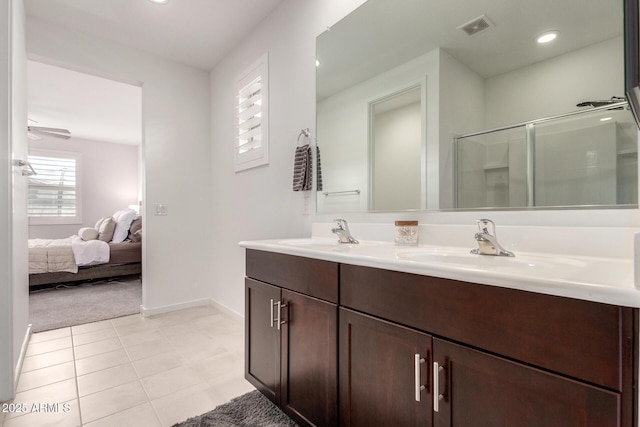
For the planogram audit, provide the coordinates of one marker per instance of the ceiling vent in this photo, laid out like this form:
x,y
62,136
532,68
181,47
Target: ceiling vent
x,y
476,25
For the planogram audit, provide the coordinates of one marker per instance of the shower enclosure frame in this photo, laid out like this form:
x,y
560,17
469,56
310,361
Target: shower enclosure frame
x,y
529,127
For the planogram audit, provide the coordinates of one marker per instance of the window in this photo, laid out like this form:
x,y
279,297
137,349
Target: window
x,y
252,138
54,193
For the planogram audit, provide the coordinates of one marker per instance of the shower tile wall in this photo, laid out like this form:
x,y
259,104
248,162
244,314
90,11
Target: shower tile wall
x,y
576,167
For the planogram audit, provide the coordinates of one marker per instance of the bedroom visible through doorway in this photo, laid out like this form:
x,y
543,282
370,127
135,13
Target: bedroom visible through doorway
x,y
85,193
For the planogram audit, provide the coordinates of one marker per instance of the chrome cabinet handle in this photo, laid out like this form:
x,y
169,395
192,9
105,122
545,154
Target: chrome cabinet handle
x,y
271,317
437,397
418,387
279,320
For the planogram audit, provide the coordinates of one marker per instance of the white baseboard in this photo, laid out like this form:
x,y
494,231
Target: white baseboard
x,y
227,310
23,353
190,304
173,307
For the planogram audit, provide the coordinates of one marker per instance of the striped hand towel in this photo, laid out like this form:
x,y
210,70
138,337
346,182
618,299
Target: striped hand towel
x,y
318,170
302,168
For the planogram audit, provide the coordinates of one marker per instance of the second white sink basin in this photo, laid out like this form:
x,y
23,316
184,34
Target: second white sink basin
x,y
466,258
324,244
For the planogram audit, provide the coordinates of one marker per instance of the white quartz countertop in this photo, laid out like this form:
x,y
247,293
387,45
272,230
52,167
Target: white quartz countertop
x,y
605,280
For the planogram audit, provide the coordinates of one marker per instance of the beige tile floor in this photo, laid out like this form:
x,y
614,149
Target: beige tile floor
x,y
131,371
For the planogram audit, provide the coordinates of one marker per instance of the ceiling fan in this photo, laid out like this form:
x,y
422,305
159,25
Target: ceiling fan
x,y
36,132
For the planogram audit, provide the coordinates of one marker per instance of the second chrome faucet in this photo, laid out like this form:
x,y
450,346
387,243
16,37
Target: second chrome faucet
x,y
487,240
342,231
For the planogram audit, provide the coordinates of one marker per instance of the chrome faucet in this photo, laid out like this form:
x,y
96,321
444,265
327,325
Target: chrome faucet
x,y
487,240
342,231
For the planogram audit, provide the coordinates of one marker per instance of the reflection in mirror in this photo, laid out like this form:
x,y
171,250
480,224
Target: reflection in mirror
x,y
495,79
396,152
586,158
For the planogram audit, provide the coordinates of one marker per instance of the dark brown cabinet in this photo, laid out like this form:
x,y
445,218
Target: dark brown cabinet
x,y
291,340
479,389
387,378
361,346
384,373
262,349
503,357
309,366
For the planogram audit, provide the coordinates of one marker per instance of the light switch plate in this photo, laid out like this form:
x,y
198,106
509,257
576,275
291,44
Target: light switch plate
x,y
161,209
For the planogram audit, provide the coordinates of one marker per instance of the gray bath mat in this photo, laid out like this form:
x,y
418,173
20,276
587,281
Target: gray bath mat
x,y
249,410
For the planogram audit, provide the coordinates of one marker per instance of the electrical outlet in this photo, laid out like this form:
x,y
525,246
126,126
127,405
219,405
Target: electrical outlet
x,y
305,206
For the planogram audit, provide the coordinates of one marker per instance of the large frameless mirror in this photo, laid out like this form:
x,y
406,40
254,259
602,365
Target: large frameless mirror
x,y
504,120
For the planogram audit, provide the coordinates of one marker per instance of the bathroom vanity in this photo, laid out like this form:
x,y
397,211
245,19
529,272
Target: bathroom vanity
x,y
361,335
291,322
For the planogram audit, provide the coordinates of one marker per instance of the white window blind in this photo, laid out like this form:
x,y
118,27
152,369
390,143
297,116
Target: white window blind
x,y
54,192
252,115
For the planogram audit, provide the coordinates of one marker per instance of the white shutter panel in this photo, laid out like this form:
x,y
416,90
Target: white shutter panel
x,y
54,196
252,134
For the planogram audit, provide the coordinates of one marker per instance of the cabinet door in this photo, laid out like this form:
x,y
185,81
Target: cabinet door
x,y
262,338
309,359
378,373
479,390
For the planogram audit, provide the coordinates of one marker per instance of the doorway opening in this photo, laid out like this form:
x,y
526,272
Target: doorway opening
x,y
84,197
396,151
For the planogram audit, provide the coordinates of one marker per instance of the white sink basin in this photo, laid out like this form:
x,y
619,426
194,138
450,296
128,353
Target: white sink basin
x,y
318,244
524,263
465,257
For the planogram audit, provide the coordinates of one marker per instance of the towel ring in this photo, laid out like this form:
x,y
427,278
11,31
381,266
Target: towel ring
x,y
306,132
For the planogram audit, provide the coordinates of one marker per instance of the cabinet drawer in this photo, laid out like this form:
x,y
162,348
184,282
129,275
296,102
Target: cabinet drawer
x,y
581,339
313,277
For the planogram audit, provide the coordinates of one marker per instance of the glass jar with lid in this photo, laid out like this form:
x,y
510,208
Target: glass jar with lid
x,y
406,233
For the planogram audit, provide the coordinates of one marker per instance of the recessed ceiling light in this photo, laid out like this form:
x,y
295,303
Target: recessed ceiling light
x,y
605,119
317,63
547,37
159,1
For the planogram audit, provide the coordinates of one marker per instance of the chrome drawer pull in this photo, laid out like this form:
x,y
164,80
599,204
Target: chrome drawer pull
x,y
418,387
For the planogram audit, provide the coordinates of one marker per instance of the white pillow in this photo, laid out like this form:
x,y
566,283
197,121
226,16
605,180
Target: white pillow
x,y
88,233
123,218
99,223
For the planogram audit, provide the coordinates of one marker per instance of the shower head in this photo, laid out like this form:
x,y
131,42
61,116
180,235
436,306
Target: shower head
x,y
613,100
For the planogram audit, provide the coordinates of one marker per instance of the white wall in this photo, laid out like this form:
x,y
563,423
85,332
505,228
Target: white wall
x,y
259,203
109,181
461,101
176,156
343,147
592,73
14,297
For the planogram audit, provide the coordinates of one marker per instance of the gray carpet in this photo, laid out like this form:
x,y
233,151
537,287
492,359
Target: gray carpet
x,y
71,305
249,410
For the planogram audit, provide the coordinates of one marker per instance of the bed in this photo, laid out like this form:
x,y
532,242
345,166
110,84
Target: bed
x,y
112,248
